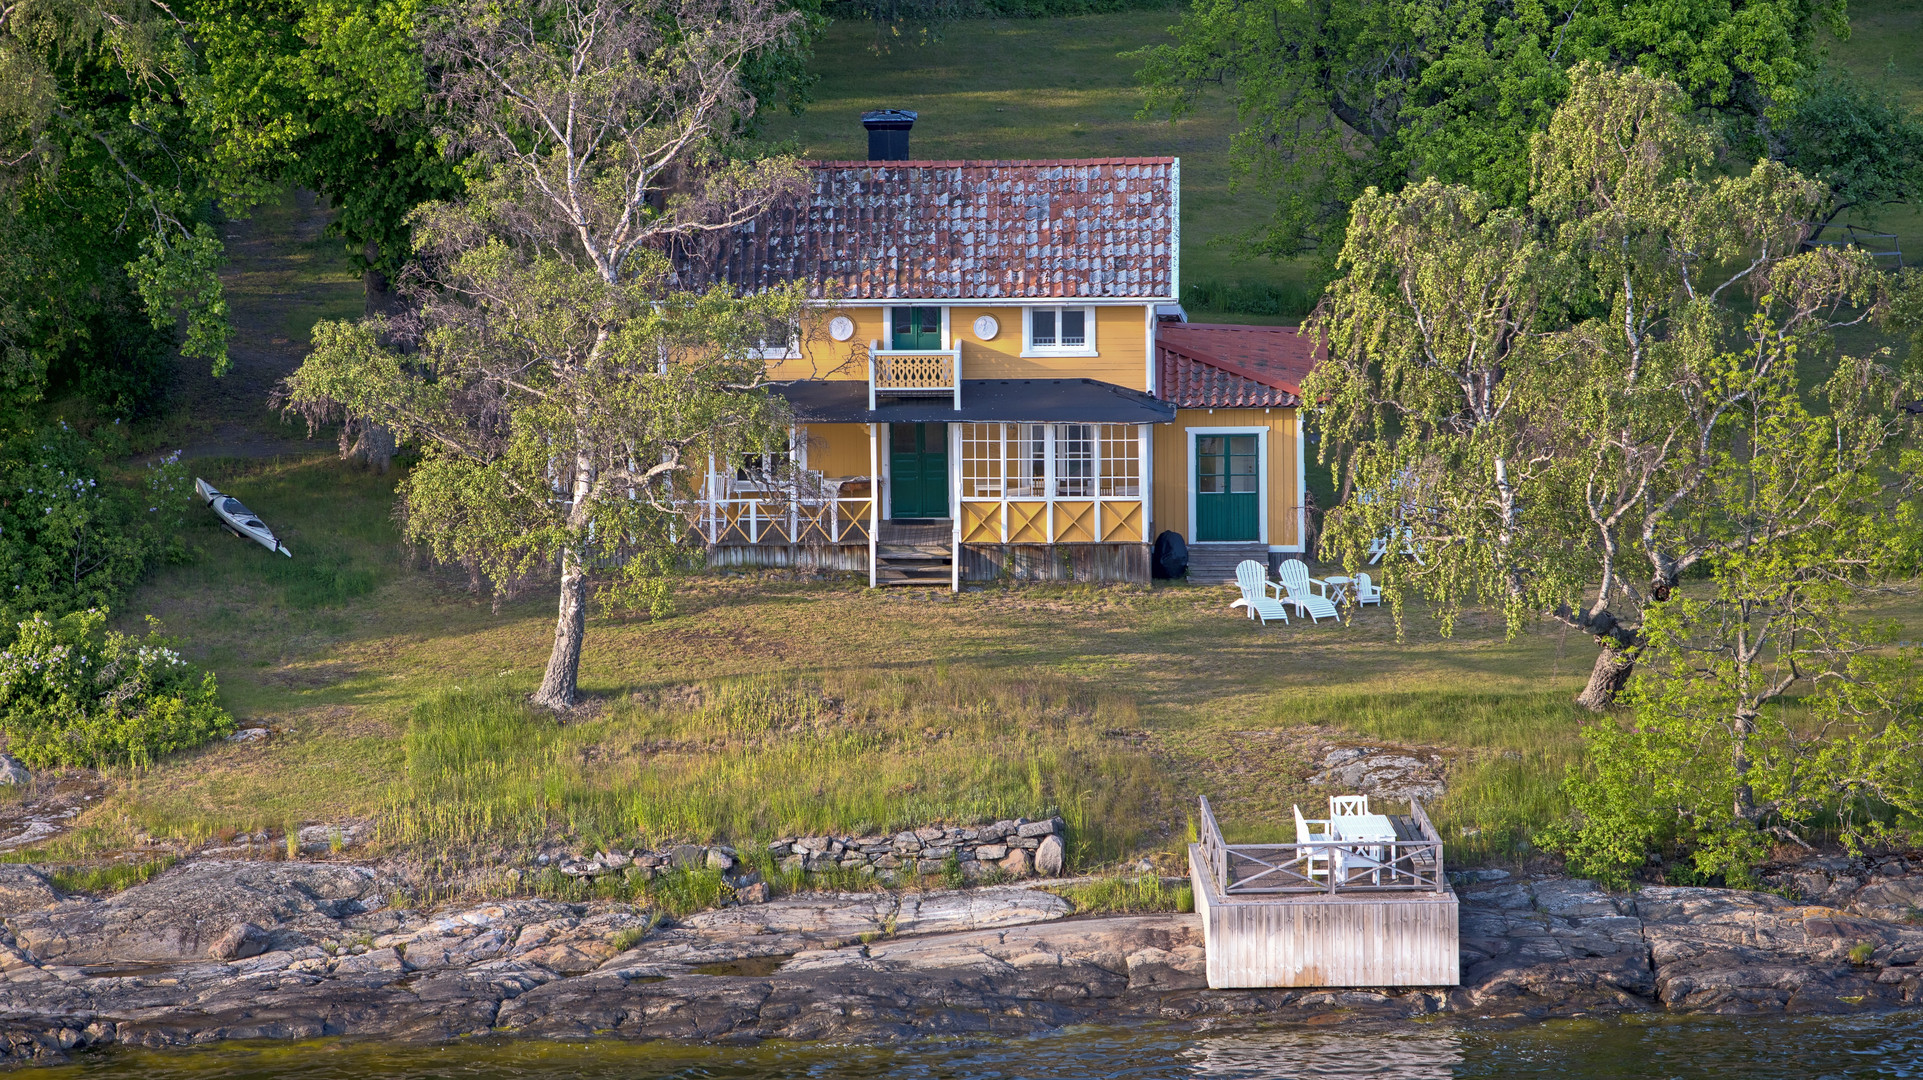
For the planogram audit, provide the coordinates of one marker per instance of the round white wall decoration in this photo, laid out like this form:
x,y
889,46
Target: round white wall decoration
x,y
841,328
986,328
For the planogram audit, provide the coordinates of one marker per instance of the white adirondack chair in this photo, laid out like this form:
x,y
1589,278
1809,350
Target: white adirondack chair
x,y
1348,805
1295,573
1260,596
1366,591
1317,861
1307,603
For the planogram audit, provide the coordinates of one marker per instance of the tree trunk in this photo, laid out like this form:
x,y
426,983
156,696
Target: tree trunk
x,y
560,686
1607,679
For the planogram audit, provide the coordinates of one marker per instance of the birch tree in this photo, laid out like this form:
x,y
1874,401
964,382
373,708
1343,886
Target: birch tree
x,y
1541,403
563,391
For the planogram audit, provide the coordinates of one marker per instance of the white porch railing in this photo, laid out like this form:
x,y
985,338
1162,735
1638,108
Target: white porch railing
x,y
752,519
913,374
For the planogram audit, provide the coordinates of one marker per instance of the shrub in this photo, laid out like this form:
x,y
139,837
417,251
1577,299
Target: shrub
x,y
72,536
71,694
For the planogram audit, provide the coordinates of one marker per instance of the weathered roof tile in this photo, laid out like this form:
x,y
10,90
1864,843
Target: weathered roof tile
x,y
1103,227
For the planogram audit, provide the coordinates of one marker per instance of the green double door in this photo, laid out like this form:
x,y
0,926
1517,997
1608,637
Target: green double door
x,y
1228,498
918,470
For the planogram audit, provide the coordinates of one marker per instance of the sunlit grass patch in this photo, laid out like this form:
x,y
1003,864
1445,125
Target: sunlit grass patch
x,y
109,877
1128,894
851,753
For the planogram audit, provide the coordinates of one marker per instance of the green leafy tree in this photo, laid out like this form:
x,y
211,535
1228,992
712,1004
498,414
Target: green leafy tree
x,y
1337,96
104,194
561,389
1766,704
1861,141
1541,408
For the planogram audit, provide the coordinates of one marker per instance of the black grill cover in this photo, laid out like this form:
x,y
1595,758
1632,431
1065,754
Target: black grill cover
x,y
1171,556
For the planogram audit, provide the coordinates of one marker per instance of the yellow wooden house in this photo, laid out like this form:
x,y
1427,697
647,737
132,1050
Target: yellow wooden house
x,y
999,382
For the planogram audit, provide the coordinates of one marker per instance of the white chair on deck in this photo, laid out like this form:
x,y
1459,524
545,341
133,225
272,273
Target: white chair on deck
x,y
1260,596
1348,805
1317,862
1367,591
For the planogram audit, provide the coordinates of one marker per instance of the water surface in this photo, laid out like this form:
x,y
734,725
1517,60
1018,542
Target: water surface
x,y
1656,1049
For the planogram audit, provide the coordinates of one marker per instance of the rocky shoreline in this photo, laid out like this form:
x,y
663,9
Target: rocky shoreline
x,y
225,949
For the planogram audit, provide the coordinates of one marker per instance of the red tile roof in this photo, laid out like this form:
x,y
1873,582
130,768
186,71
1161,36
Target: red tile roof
x,y
1218,366
955,230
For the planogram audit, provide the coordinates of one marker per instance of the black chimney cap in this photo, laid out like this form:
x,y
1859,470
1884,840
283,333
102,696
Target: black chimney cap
x,y
888,133
889,119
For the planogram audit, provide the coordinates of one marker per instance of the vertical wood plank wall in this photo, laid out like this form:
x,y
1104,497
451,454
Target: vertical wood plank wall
x,y
1381,939
1173,469
838,449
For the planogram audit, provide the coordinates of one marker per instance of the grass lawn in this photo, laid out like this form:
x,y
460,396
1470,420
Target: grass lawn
x,y
1040,88
774,703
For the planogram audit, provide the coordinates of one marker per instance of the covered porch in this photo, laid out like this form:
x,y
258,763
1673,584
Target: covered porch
x,y
1028,479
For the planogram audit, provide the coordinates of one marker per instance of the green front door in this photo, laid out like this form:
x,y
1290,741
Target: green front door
x,y
918,470
1227,500
915,328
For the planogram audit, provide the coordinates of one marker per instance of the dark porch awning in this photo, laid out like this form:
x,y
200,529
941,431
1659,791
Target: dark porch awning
x,y
1069,401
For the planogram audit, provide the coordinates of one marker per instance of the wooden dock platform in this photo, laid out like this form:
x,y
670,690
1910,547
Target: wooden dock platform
x,y
1326,914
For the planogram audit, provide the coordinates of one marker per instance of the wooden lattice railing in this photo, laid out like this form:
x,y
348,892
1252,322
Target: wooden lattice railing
x,y
891,372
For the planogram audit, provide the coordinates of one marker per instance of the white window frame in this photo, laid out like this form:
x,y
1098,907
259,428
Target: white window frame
x,y
1261,485
1030,349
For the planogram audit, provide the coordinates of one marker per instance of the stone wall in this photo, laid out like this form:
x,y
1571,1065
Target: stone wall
x,y
1000,850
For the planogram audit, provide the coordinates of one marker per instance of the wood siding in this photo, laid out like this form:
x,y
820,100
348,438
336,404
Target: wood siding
x,y
1055,562
837,449
1121,343
822,357
1385,939
1174,470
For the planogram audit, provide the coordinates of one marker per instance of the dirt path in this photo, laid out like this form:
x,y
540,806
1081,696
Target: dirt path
x,y
282,274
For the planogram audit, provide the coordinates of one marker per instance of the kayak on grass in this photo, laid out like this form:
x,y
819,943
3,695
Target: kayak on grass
x,y
239,520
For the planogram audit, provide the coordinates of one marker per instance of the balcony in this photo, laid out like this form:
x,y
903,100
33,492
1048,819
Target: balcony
x,y
920,373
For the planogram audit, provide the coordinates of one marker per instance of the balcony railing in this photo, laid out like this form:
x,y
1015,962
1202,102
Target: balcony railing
x,y
913,374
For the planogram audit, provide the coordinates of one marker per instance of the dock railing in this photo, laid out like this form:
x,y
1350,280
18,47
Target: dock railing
x,y
1327,867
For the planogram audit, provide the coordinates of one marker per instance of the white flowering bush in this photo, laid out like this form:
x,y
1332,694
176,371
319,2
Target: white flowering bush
x,y
73,534
74,693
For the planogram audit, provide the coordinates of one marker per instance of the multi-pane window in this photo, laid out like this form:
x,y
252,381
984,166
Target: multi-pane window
x,y
1060,329
1226,464
1121,462
1027,460
981,463
1074,461
1015,460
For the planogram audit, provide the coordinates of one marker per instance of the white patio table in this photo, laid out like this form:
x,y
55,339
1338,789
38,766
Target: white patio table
x,y
1368,828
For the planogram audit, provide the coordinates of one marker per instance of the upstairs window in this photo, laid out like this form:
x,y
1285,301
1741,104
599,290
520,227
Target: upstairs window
x,y
1061,330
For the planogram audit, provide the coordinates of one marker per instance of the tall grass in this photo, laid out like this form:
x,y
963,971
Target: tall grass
x,y
765,756
1505,781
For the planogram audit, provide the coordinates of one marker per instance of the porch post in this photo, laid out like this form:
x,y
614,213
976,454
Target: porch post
x,y
1100,442
1144,488
874,497
1007,479
714,493
1048,478
955,500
